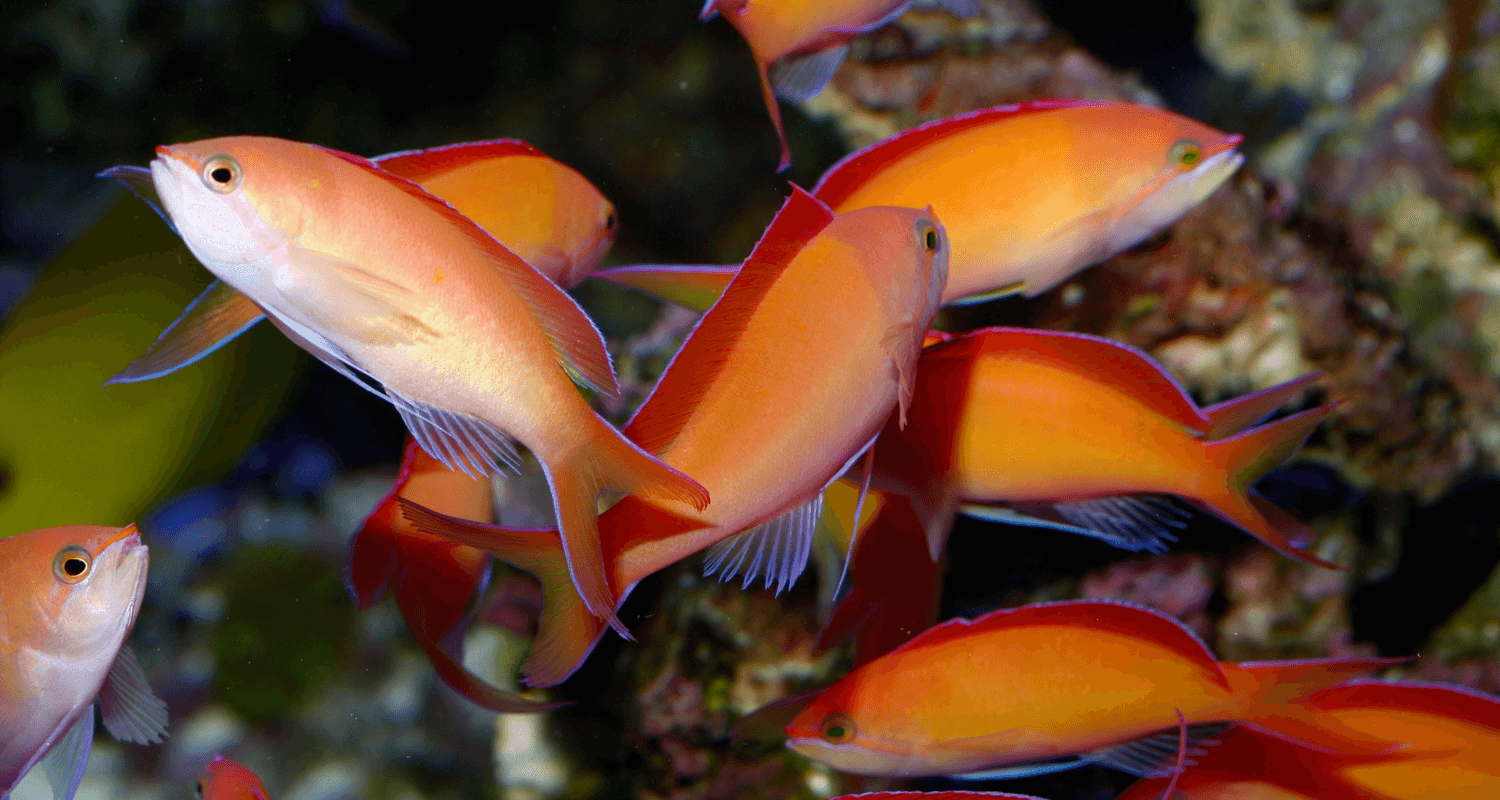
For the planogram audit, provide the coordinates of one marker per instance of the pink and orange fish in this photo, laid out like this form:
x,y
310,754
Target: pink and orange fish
x,y
1084,434
799,44
385,282
780,387
1030,194
434,579
229,780
1056,685
70,599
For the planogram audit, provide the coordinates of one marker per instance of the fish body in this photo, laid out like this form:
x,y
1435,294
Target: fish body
x,y
541,209
782,384
380,279
1049,681
229,780
434,579
71,598
1083,426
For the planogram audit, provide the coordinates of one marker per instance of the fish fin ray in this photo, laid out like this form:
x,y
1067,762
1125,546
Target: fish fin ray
x,y
467,444
1156,755
211,321
775,551
131,711
859,507
140,183
1129,522
423,165
66,761
903,347
797,77
1025,770
693,286
768,93
1234,416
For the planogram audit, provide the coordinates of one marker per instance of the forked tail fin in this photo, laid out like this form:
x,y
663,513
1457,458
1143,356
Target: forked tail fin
x,y
1277,690
566,632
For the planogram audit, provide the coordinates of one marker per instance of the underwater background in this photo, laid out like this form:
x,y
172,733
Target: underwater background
x,y
1360,240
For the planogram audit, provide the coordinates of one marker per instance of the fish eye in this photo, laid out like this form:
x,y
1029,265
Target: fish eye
x,y
927,235
222,174
1186,153
198,790
837,728
611,221
72,564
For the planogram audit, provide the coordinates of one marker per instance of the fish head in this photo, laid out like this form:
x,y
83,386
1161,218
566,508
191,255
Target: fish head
x,y
596,224
836,731
73,591
232,199
905,252
1178,163
228,780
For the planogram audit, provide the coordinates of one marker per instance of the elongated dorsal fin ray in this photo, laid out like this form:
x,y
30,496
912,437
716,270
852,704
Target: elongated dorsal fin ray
x,y
422,165
211,321
578,344
697,365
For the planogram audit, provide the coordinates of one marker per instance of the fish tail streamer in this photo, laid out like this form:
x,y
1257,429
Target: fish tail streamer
x,y
1277,690
769,93
373,557
566,631
1245,459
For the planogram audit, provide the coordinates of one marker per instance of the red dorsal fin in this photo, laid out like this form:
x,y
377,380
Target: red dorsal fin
x,y
1093,357
578,344
844,178
1439,700
422,165
696,366
1112,616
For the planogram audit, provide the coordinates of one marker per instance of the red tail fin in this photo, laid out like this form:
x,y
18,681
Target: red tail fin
x,y
1233,416
1278,690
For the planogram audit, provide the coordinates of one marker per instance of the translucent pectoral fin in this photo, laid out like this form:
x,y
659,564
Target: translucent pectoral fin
x,y
349,301
131,711
210,322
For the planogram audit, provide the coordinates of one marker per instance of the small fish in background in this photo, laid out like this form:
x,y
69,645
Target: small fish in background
x,y
541,209
799,44
1087,435
71,596
229,780
1052,686
434,579
1029,193
384,282
779,389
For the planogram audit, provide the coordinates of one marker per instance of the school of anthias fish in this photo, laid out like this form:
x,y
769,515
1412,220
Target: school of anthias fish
x,y
436,279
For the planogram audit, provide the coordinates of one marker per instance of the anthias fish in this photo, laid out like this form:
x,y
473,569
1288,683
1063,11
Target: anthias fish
x,y
434,579
229,780
1055,685
782,384
381,280
71,597
1030,193
1083,433
799,44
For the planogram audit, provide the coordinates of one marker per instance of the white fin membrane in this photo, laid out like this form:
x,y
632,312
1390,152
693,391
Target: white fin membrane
x,y
1131,522
131,711
796,78
67,759
1151,756
775,550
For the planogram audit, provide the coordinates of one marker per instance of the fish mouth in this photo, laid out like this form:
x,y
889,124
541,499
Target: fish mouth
x,y
129,534
166,151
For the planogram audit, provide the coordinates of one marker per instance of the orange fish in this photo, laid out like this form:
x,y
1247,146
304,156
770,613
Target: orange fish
x,y
780,387
70,598
228,780
1030,194
1056,685
1247,764
434,579
383,281
1084,434
799,44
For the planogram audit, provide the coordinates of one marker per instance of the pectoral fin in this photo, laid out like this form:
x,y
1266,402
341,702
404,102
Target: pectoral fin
x,y
210,322
347,300
131,711
902,344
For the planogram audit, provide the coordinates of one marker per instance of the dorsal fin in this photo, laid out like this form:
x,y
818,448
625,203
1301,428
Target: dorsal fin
x,y
579,345
1093,357
697,365
844,178
422,165
1113,616
1439,700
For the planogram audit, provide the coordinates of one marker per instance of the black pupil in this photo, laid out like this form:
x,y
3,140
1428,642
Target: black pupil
x,y
931,239
74,567
609,221
221,174
836,731
199,788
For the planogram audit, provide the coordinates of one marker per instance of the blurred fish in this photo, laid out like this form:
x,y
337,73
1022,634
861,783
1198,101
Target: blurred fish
x,y
1248,764
71,598
1084,434
381,280
776,392
543,210
1030,193
228,780
799,44
1053,686
435,580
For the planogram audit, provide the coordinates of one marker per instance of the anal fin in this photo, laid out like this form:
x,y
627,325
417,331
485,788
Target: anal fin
x,y
1158,754
211,321
131,711
775,551
1129,522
